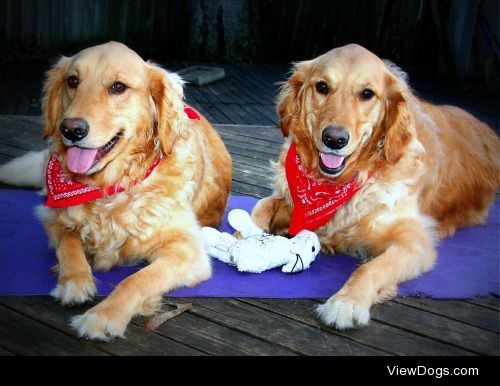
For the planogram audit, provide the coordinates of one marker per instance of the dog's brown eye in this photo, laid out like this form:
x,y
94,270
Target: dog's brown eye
x,y
367,94
322,87
117,88
73,81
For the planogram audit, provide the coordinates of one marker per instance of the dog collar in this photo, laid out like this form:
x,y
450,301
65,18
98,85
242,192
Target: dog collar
x,y
63,192
314,201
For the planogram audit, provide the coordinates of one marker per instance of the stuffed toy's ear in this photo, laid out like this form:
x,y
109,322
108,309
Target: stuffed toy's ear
x,y
305,242
240,220
168,97
303,247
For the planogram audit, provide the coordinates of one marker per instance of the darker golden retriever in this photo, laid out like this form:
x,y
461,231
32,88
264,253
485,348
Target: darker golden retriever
x,y
132,174
407,173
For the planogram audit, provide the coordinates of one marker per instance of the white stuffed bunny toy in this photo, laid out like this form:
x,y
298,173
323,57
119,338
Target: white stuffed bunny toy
x,y
257,251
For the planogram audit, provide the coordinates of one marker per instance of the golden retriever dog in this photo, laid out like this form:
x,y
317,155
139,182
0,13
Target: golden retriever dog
x,y
419,172
119,129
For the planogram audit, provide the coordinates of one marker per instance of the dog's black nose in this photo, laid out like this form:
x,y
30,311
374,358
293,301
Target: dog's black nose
x,y
74,129
335,137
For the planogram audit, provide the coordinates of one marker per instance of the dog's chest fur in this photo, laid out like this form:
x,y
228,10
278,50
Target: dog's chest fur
x,y
370,211
122,228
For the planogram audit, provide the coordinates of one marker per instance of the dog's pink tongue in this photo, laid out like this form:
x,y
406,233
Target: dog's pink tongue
x,y
331,161
80,160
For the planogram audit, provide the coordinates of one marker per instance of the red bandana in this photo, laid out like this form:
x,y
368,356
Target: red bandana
x,y
63,192
314,202
191,113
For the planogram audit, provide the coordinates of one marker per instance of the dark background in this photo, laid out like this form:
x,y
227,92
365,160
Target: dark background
x,y
455,40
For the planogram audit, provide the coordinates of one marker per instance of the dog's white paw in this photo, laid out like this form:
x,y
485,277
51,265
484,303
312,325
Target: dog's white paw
x,y
75,289
342,312
97,325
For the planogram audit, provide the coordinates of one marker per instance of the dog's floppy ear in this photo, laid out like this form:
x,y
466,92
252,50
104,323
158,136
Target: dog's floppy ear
x,y
289,98
52,96
168,98
398,122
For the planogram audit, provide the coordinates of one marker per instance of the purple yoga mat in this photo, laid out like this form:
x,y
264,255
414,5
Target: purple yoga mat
x,y
467,266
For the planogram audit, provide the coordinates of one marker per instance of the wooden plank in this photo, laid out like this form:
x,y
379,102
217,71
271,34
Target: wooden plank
x,y
242,147
19,135
246,189
213,338
472,314
267,113
222,92
210,94
300,338
252,114
437,327
236,114
138,341
245,91
253,179
491,302
10,151
24,336
21,140
22,123
235,135
271,133
192,94
239,75
265,88
381,336
4,352
244,135
260,167
254,154
229,89
244,170
215,112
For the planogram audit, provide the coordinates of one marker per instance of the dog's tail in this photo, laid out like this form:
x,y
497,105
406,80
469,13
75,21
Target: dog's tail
x,y
27,170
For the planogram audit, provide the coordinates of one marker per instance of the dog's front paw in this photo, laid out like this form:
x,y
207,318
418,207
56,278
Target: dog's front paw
x,y
99,324
75,289
343,312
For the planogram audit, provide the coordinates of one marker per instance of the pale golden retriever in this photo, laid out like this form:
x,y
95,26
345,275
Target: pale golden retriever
x,y
422,171
116,121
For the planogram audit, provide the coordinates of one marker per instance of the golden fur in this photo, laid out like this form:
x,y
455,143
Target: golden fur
x,y
434,169
158,219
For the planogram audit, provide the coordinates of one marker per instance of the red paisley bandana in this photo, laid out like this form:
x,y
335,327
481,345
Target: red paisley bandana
x,y
314,202
63,192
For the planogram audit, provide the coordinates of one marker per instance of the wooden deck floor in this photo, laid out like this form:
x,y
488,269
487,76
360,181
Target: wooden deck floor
x,y
243,108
